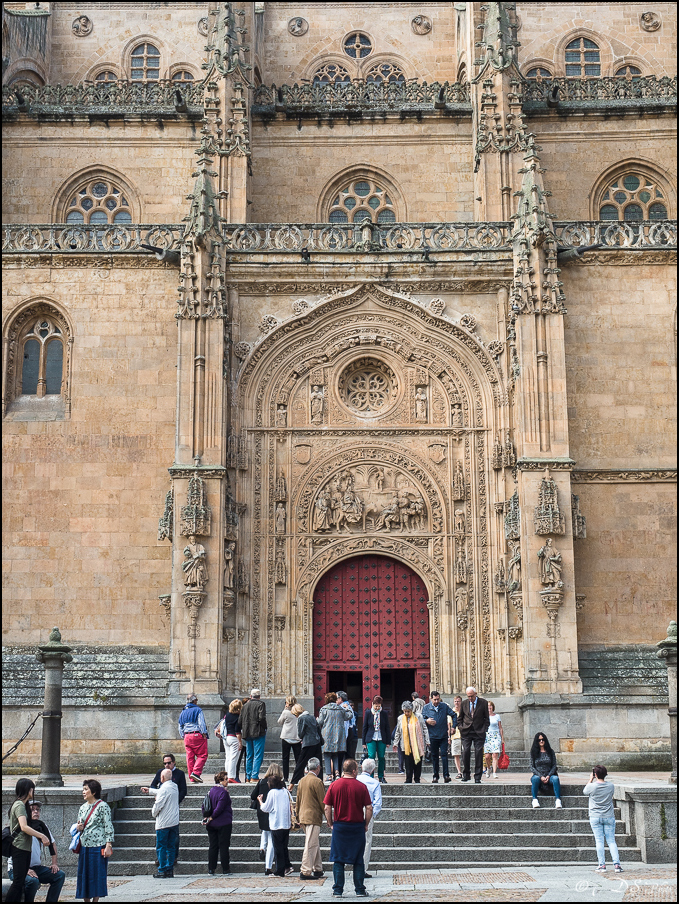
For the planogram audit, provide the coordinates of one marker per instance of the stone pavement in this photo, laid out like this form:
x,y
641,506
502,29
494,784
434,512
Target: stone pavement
x,y
543,883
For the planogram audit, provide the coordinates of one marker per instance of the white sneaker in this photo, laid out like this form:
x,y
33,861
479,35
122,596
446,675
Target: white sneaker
x,y
558,805
536,802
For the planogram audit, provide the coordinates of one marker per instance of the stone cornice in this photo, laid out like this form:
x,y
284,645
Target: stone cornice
x,y
206,471
625,475
540,464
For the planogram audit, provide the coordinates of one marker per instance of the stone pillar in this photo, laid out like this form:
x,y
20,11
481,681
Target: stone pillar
x,y
53,655
668,651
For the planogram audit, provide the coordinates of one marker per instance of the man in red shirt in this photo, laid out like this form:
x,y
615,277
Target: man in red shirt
x,y
348,811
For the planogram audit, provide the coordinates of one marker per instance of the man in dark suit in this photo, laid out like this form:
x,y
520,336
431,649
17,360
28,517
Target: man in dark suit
x,y
473,727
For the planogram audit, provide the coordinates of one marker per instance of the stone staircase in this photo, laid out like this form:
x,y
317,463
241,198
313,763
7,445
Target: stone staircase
x,y
447,826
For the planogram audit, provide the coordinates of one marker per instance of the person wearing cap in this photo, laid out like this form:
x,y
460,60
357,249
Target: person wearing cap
x,y
411,736
193,730
39,874
253,732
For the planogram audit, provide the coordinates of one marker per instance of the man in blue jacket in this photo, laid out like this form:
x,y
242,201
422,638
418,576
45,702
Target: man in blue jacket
x,y
435,713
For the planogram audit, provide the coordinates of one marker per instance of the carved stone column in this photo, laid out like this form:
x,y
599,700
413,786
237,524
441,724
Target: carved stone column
x,y
668,651
53,655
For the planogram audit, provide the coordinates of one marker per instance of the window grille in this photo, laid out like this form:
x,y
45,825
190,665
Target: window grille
x,y
106,76
583,59
145,63
632,72
538,72
182,77
99,202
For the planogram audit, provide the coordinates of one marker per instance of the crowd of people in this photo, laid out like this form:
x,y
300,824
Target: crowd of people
x,y
350,799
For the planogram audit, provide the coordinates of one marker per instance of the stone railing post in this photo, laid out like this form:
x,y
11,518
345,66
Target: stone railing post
x,y
53,655
667,650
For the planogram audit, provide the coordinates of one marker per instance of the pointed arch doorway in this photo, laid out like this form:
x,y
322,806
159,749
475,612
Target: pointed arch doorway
x,y
371,633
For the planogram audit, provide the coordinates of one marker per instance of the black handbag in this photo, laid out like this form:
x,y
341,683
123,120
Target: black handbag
x,y
8,840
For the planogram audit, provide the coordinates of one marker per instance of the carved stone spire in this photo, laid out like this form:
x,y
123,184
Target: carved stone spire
x,y
203,214
499,39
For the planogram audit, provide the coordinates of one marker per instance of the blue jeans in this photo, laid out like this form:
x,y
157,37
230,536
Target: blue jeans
x,y
604,828
166,845
439,745
254,754
536,782
338,877
45,877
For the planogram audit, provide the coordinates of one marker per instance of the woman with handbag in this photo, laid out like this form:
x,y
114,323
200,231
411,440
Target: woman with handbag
x,y
278,805
456,737
21,835
219,823
96,843
492,747
411,736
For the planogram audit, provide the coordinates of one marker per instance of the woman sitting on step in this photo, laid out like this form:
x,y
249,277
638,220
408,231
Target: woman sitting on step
x,y
543,766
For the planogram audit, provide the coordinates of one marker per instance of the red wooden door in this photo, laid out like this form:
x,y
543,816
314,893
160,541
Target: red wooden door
x,y
370,613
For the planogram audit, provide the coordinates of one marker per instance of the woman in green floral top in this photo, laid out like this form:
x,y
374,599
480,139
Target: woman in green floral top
x,y
96,843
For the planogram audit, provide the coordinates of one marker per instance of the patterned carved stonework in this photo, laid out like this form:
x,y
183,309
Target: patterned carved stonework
x,y
548,518
579,520
196,514
513,517
165,523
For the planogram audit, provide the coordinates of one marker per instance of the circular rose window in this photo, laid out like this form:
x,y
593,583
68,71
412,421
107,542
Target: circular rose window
x,y
368,387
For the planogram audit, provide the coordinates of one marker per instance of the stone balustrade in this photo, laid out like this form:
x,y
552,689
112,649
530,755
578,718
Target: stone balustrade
x,y
333,238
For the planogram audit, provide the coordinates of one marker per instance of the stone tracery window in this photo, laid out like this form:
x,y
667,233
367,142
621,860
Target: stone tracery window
x,y
632,72
538,72
98,202
106,76
145,63
331,74
38,347
583,59
182,77
362,199
357,45
367,386
387,72
633,197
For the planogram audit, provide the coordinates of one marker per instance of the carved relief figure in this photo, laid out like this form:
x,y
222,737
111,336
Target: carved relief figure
x,y
550,564
351,507
459,522
282,416
323,511
421,404
316,405
389,515
458,481
411,509
229,550
514,569
456,416
195,566
280,518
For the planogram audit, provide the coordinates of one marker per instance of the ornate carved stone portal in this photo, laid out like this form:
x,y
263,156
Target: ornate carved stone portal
x,y
382,417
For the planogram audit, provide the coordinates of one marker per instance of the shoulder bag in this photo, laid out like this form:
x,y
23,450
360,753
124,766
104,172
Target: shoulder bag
x,y
8,840
75,844
503,762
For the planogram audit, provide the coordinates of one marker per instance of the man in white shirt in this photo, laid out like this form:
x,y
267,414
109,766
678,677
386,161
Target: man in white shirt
x,y
166,812
367,776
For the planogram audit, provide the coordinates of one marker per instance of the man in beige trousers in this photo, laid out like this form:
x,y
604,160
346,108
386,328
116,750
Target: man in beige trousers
x,y
310,794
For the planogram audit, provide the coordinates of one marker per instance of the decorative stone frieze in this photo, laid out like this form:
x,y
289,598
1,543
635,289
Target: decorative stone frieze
x,y
165,523
579,521
513,517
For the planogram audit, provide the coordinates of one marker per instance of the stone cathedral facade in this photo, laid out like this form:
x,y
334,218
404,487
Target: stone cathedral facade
x,y
339,351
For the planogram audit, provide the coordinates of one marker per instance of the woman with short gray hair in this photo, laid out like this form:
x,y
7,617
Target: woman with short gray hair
x,y
412,736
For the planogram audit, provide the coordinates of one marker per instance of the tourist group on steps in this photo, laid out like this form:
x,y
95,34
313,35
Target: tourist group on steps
x,y
349,799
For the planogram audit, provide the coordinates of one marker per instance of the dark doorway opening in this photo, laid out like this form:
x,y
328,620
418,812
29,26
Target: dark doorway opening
x,y
352,683
396,685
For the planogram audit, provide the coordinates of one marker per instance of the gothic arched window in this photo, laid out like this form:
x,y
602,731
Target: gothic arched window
x,y
633,197
331,74
98,201
387,72
538,72
632,72
106,76
38,343
583,59
145,63
182,77
361,199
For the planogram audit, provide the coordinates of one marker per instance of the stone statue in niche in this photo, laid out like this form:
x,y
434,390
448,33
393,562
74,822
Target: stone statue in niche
x,y
514,569
282,416
280,518
316,404
379,479
458,481
195,565
456,417
421,404
550,564
459,522
229,553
